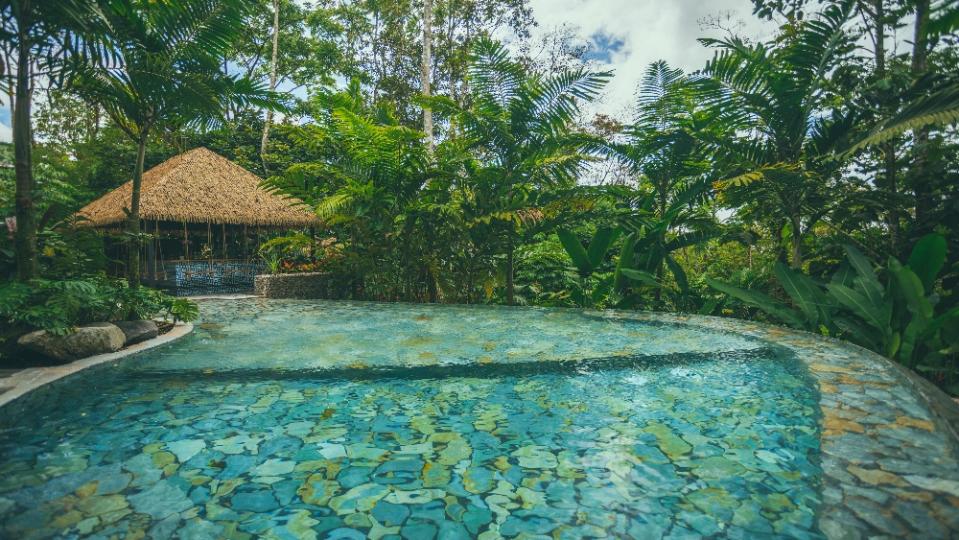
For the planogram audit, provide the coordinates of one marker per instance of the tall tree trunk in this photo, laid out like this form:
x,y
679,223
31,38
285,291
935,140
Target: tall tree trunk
x,y
888,149
795,259
920,180
425,68
269,112
26,236
133,220
510,295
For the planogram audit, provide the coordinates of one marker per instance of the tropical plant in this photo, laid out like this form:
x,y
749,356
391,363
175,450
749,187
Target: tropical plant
x,y
43,36
59,305
371,181
933,100
893,312
588,260
668,209
287,251
774,95
520,129
168,75
179,309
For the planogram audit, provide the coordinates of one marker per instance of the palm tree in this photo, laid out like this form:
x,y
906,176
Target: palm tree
x,y
665,212
43,36
366,180
774,95
167,75
521,128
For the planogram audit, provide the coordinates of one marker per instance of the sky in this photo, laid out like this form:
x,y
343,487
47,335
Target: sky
x,y
626,36
5,133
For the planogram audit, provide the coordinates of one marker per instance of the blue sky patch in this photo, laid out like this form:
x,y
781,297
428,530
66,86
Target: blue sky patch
x,y
602,46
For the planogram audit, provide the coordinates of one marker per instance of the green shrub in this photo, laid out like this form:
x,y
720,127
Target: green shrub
x,y
284,252
59,305
894,309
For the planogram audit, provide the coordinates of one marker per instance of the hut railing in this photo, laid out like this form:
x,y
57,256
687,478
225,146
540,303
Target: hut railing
x,y
187,277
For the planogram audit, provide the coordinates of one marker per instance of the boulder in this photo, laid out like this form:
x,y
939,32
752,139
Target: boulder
x,y
137,331
88,340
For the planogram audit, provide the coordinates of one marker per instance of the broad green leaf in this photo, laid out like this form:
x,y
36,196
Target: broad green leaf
x,y
803,291
892,347
599,245
910,341
865,275
764,302
641,276
626,256
861,306
576,251
678,274
845,275
941,321
857,333
927,258
689,239
911,288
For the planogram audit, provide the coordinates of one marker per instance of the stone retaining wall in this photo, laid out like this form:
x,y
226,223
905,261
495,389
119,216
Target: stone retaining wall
x,y
304,285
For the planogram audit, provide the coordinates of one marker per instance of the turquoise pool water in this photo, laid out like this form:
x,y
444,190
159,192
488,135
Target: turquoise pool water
x,y
290,419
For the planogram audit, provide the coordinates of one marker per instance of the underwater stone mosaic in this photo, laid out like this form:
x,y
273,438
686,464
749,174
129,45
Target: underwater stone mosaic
x,y
292,419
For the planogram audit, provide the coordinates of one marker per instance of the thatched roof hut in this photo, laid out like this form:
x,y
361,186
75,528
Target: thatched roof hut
x,y
200,186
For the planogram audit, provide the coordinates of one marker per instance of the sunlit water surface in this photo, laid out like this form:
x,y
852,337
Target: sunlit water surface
x,y
345,420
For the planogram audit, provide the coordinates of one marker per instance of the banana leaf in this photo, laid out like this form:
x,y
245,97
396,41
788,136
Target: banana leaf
x,y
912,291
857,333
858,303
599,245
927,258
910,341
846,275
764,302
866,275
805,294
576,251
641,276
948,317
626,255
678,274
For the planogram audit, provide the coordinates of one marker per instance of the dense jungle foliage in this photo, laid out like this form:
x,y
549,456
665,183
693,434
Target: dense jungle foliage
x,y
810,179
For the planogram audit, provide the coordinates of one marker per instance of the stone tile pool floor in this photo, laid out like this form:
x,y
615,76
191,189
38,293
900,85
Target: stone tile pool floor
x,y
289,419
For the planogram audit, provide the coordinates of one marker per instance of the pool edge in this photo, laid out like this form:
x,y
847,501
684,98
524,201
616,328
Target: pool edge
x,y
30,379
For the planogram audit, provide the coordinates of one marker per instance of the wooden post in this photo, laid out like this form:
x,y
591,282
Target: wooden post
x,y
151,259
156,234
225,255
246,245
186,242
151,263
209,238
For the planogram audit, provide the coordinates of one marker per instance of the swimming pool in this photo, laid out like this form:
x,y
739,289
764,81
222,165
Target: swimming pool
x,y
298,419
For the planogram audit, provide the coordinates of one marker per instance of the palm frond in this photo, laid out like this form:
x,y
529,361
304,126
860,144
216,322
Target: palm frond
x,y
938,108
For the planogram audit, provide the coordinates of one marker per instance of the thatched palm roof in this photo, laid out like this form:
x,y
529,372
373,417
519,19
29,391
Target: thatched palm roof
x,y
200,186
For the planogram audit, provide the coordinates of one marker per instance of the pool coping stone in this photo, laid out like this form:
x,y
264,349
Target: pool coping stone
x,y
29,379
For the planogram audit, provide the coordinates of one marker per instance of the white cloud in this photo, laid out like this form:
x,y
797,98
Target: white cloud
x,y
650,30
6,135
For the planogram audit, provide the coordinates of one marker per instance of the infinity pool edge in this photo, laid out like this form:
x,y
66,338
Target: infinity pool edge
x,y
888,439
